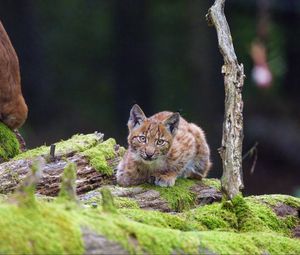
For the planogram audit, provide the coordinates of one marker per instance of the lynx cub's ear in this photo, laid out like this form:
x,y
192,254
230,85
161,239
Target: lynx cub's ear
x,y
136,117
172,123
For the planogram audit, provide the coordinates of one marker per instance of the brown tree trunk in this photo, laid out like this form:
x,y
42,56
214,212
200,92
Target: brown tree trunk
x,y
231,150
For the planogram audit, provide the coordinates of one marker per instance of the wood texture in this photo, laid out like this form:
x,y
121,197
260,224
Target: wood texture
x,y
14,172
231,150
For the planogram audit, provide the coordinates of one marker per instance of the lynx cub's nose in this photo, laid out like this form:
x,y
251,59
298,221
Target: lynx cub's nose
x,y
149,155
149,152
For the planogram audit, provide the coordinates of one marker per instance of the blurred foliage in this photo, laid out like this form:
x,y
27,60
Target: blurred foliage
x,y
76,40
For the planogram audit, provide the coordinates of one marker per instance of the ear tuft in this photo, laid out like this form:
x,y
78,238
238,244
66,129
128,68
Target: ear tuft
x,y
172,122
136,117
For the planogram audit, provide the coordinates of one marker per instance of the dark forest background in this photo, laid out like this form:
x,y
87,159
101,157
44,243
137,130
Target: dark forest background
x,y
85,63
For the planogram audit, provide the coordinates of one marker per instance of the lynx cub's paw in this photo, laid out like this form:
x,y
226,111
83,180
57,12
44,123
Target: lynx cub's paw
x,y
123,179
164,181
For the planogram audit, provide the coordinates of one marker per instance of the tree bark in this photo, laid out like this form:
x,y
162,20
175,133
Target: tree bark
x,y
14,172
231,150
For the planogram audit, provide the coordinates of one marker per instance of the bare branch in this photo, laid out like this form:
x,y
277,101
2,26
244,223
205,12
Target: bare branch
x,y
231,149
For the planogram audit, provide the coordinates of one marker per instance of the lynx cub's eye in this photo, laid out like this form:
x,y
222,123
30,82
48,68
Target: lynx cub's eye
x,y
142,139
160,142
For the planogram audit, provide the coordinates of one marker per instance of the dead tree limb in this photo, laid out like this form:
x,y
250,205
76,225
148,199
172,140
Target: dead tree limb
x,y
231,150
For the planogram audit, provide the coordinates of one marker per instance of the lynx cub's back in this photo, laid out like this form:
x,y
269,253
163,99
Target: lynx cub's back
x,y
162,148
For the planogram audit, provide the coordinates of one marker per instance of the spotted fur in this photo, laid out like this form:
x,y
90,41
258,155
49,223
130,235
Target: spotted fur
x,y
162,148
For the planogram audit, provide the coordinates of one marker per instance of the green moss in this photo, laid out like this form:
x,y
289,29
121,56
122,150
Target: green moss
x,y
108,204
120,202
212,182
255,216
51,229
179,197
275,199
25,196
124,202
162,220
154,240
46,229
248,243
99,155
9,145
67,190
144,237
242,215
245,217
39,151
138,237
76,143
89,145
213,217
291,221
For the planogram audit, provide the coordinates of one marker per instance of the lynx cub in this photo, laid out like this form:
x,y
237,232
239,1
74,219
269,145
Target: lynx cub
x,y
162,148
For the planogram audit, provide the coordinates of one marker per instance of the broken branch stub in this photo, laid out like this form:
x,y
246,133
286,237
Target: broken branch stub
x,y
232,139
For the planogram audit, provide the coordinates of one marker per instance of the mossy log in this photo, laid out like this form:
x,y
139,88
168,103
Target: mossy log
x,y
104,218
96,160
116,226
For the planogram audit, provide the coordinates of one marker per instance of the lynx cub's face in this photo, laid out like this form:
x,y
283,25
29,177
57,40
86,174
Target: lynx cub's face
x,y
148,139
